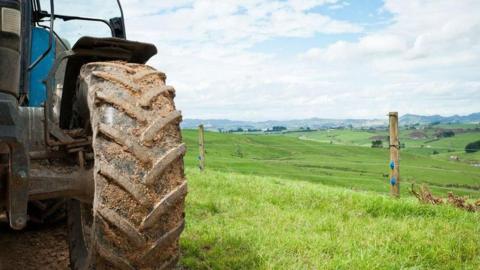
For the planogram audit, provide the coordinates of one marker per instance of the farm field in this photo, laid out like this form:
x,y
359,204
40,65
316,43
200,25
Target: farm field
x,y
427,145
349,166
279,202
237,221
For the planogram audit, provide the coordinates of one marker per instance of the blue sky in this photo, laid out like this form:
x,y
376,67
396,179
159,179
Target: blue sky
x,y
367,13
290,59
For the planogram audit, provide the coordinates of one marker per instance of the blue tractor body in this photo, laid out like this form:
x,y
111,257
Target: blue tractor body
x,y
38,90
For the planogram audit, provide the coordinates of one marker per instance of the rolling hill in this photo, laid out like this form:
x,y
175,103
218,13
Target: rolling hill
x,y
319,123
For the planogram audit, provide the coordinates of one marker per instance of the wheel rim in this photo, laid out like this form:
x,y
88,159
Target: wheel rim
x,y
80,228
86,219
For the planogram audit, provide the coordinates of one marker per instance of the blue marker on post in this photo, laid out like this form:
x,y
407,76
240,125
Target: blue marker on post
x,y
393,181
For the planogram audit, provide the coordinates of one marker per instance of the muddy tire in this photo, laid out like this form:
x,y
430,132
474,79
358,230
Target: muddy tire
x,y
137,214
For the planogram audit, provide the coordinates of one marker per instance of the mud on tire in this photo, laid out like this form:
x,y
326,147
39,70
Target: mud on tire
x,y
137,214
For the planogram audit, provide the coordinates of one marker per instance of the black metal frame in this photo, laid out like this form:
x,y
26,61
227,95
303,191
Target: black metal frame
x,y
26,43
17,183
50,40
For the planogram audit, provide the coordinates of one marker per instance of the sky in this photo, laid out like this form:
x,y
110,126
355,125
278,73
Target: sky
x,y
292,59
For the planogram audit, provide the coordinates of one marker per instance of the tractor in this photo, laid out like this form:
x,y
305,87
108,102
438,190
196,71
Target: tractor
x,y
90,133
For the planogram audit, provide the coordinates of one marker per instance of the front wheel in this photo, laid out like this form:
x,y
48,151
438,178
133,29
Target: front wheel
x,y
137,214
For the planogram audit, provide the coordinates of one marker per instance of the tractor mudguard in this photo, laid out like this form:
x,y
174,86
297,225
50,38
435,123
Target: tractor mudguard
x,y
91,49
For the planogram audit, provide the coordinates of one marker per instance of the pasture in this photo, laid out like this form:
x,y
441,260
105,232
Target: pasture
x,y
238,221
345,165
280,202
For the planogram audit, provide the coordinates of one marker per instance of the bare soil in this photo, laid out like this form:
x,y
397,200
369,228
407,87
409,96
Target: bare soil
x,y
34,248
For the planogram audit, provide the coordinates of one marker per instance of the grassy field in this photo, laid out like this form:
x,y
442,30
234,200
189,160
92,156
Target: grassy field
x,y
250,222
424,146
280,202
349,166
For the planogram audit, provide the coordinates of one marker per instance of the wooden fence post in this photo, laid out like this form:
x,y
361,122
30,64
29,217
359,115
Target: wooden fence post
x,y
394,155
201,147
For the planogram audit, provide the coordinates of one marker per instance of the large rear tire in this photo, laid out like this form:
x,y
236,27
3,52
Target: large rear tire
x,y
137,214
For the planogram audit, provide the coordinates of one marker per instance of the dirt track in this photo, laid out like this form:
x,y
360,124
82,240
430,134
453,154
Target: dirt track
x,y
34,248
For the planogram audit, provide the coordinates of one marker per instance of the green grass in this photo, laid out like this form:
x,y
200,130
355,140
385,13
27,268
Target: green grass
x,y
427,146
239,221
345,137
280,202
470,158
458,142
349,166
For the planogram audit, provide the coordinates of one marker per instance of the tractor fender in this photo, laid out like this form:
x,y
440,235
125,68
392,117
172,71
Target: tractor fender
x,y
91,49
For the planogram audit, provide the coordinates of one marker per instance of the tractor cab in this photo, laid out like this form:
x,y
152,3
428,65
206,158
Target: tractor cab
x,y
54,27
54,39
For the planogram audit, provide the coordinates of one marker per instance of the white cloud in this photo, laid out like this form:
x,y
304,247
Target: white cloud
x,y
339,5
426,61
230,23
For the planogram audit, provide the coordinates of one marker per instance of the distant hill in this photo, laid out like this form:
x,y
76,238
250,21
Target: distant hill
x,y
313,123
410,119
319,123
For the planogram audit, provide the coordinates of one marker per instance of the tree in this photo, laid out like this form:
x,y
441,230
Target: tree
x,y
444,134
278,128
472,147
377,144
